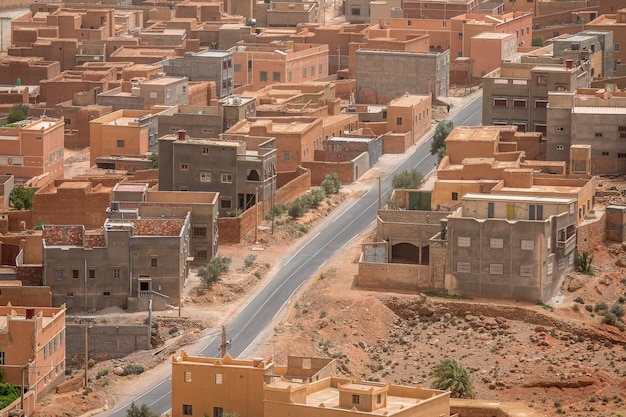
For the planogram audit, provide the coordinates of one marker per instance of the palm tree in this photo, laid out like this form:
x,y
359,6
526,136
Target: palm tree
x,y
452,376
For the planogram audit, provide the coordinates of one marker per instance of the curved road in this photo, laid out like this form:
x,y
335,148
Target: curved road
x,y
257,316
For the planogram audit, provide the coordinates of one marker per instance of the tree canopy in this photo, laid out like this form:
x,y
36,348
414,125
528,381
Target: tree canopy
x,y
452,376
22,198
408,179
143,411
438,145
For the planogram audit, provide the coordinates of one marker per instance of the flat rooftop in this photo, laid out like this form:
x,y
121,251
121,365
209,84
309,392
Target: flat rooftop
x,y
473,134
213,53
330,398
598,110
520,198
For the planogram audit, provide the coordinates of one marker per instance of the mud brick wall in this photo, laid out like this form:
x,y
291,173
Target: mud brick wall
x,y
157,227
16,217
32,275
591,233
437,259
233,229
394,276
320,169
298,185
94,241
396,142
63,235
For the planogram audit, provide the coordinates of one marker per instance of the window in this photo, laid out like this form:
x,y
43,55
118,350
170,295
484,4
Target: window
x,y
496,243
120,143
69,294
320,69
560,147
379,397
38,138
206,150
460,36
184,167
519,103
75,273
263,76
237,67
59,275
527,244
92,273
227,178
535,212
205,176
561,264
154,262
561,87
275,76
463,267
455,196
116,273
616,47
541,128
187,410
621,155
541,80
490,210
570,259
399,121
153,94
526,270
312,70
226,203
218,411
199,232
286,156
289,76
187,376
356,11
1,358
496,269
249,66
45,351
549,268
521,127
463,241
605,154
356,399
201,253
106,293
541,104
500,102
218,379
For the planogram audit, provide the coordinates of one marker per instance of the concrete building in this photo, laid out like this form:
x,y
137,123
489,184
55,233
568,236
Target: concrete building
x,y
257,65
615,23
33,339
32,148
593,50
517,92
304,387
513,247
144,94
207,65
240,171
296,137
132,261
384,75
202,206
123,132
207,121
439,9
594,117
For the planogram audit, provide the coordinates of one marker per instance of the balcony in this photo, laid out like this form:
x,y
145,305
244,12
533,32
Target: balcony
x,y
565,246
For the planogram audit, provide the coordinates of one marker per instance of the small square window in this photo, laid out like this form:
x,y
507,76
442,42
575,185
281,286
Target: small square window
x,y
92,273
187,376
286,156
59,274
526,271
399,121
463,241
463,267
206,150
184,167
356,399
227,178
496,269
218,379
541,79
120,143
496,243
199,232
527,244
263,76
187,410
75,273
116,273
154,262
226,203
107,293
275,76
205,176
455,196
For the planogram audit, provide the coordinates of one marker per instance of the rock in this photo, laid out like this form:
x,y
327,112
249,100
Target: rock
x,y
500,320
575,284
426,310
540,329
118,370
91,363
323,323
490,322
361,344
621,263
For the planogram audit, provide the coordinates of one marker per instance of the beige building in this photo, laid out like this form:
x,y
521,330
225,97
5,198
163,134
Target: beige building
x,y
615,23
595,117
305,387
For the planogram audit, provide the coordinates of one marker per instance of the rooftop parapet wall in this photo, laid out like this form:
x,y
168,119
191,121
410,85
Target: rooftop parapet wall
x,y
63,235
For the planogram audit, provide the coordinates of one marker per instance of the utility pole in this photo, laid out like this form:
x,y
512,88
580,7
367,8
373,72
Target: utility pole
x,y
223,346
256,217
22,369
379,193
86,351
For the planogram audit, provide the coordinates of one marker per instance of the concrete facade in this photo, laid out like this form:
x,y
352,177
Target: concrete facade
x,y
241,172
384,75
512,247
616,24
161,90
203,207
32,148
517,93
125,266
595,117
207,65
438,9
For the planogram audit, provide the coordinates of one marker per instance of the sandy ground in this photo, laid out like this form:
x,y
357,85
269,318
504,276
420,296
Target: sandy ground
x,y
556,358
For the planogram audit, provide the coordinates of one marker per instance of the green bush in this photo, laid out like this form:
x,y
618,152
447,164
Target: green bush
x,y
18,112
8,394
583,263
451,375
143,411
22,198
297,209
317,196
40,224
579,300
234,213
331,183
407,179
249,260
133,369
438,145
618,310
537,41
211,273
601,306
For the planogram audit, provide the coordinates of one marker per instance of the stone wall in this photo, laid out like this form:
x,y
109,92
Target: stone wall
x,y
591,232
105,341
394,276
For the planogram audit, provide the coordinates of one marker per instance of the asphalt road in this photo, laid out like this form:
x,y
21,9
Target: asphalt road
x,y
248,329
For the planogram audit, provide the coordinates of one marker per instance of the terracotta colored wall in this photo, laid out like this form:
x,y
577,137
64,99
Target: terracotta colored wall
x,y
591,233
